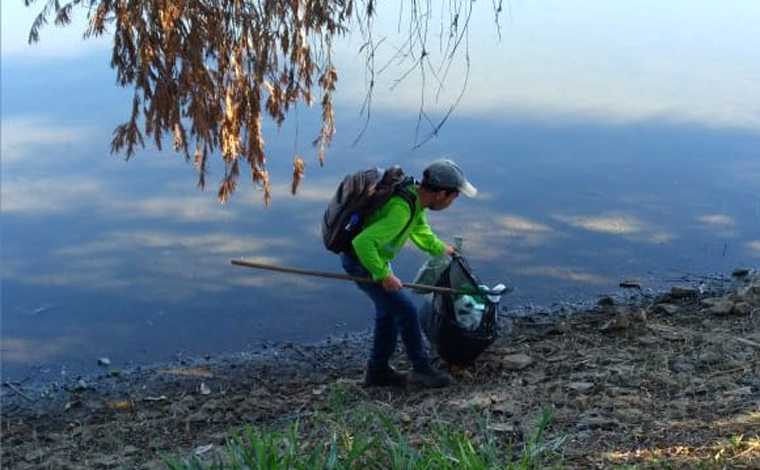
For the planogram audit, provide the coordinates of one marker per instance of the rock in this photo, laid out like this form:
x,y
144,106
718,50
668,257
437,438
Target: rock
x,y
104,361
80,385
503,428
130,450
580,387
557,329
597,422
709,358
668,309
742,391
740,272
648,340
479,401
639,315
680,292
722,307
748,295
629,284
682,365
517,361
506,408
605,301
200,450
742,308
709,301
621,321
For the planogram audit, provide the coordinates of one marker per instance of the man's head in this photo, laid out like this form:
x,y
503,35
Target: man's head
x,y
443,181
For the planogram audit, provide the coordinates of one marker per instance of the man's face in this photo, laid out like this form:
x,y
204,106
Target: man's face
x,y
443,199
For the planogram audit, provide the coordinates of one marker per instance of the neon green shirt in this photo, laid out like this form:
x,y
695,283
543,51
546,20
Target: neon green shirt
x,y
381,239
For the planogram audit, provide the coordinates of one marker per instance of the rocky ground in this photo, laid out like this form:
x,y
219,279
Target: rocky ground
x,y
668,380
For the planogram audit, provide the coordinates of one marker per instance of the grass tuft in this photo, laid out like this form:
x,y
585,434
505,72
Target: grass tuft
x,y
368,438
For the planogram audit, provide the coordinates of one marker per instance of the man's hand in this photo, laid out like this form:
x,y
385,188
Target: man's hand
x,y
450,250
391,283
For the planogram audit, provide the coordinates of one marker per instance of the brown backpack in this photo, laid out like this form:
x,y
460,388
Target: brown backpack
x,y
358,196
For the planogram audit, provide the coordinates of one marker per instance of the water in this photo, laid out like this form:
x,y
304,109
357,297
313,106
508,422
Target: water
x,y
129,260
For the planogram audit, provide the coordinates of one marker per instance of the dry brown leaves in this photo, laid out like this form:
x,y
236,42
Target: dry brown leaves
x,y
210,69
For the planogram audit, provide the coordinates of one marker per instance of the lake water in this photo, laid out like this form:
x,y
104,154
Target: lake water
x,y
129,260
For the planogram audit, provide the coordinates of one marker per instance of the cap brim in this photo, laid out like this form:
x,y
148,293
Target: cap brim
x,y
468,190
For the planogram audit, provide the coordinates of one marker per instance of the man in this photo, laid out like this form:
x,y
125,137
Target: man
x,y
384,234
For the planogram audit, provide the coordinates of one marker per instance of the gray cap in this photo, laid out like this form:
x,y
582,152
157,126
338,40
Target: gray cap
x,y
445,174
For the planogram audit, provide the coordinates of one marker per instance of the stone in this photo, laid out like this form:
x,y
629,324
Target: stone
x,y
722,307
748,295
648,340
517,361
709,301
742,308
503,428
668,309
557,329
621,321
580,387
709,358
740,272
639,315
630,284
605,301
681,292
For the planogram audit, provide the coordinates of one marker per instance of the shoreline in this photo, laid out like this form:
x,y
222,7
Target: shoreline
x,y
35,395
32,395
628,378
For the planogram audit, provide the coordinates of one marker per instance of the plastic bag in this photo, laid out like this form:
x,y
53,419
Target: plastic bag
x,y
461,326
432,269
469,310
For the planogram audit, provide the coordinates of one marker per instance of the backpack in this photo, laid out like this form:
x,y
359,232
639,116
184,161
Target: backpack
x,y
438,318
358,196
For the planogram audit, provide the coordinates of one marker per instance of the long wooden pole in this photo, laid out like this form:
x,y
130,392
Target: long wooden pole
x,y
343,277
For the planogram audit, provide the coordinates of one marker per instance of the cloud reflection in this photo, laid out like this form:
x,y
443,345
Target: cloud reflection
x,y
628,226
24,136
160,265
45,195
564,274
754,247
189,209
489,237
21,351
719,220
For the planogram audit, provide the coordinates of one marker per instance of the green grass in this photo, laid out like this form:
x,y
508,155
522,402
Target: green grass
x,y
358,436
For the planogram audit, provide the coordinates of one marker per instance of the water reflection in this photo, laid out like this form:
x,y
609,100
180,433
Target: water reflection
x,y
585,181
131,261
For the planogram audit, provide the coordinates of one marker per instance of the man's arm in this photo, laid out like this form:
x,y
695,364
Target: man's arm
x,y
380,236
422,236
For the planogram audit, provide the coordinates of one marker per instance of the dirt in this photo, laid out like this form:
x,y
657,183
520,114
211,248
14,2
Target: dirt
x,y
661,380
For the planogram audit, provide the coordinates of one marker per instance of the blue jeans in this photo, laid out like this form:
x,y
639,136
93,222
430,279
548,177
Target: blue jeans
x,y
394,312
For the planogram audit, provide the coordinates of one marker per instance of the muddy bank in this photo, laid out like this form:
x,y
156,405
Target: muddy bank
x,y
672,375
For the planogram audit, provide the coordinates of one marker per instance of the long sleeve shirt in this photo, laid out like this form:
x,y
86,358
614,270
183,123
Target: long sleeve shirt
x,y
382,237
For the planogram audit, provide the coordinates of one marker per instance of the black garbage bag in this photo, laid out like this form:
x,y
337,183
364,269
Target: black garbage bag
x,y
458,338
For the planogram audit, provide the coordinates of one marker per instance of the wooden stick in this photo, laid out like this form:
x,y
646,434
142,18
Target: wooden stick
x,y
343,277
17,390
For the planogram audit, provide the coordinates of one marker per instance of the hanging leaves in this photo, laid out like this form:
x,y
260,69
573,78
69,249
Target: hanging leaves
x,y
204,71
207,69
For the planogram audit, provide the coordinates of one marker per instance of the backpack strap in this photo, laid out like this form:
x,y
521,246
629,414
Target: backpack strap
x,y
402,191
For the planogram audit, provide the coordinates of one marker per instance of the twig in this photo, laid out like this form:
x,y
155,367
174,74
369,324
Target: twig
x,y
748,342
17,390
728,371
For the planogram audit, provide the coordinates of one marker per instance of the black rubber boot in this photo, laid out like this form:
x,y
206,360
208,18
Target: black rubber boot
x,y
427,376
386,376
